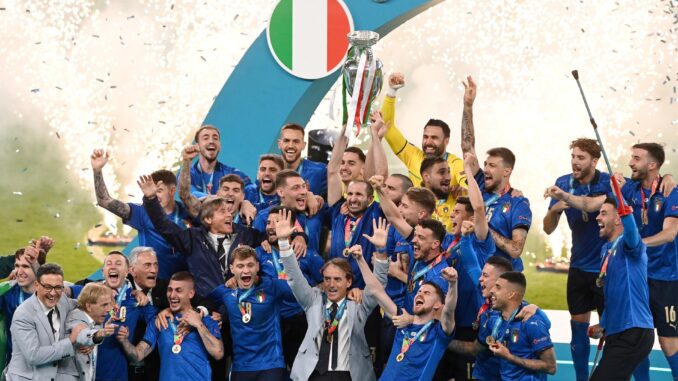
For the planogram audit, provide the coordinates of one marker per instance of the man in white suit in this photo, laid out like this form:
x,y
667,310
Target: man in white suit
x,y
334,347
41,351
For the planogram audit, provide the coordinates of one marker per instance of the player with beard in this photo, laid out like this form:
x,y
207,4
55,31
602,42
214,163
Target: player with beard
x,y
293,320
436,137
253,310
432,326
395,187
627,318
582,293
184,356
136,217
291,143
435,173
207,170
269,166
112,362
508,214
231,187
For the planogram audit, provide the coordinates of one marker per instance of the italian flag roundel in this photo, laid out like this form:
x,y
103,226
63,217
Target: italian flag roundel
x,y
308,37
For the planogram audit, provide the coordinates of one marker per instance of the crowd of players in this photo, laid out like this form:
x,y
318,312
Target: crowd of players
x,y
344,271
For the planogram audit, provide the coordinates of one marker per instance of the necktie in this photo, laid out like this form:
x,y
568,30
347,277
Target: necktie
x,y
324,355
51,322
221,254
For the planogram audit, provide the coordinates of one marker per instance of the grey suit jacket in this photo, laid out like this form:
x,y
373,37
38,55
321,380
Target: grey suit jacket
x,y
35,354
85,338
311,300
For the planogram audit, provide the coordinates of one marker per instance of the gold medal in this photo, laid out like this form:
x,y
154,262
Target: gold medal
x,y
585,216
176,349
346,252
246,318
400,357
490,340
123,314
643,216
600,282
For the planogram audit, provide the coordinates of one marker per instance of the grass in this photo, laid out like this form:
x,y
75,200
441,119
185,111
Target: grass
x,y
547,290
50,204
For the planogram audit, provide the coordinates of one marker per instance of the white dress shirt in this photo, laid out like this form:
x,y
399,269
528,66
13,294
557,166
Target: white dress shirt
x,y
56,322
343,345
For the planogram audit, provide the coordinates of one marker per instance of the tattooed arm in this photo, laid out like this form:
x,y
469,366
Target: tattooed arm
x,y
117,207
514,246
468,139
190,201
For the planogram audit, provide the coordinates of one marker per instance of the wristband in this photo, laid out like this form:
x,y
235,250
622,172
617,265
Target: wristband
x,y
284,245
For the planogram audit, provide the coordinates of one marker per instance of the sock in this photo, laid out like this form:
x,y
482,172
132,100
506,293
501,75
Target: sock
x,y
580,347
673,364
642,372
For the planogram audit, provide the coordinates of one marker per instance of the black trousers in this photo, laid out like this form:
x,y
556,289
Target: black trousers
x,y
293,332
277,374
622,354
330,376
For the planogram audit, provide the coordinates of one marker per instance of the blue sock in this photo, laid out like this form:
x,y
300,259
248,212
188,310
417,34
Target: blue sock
x,y
673,364
642,372
580,346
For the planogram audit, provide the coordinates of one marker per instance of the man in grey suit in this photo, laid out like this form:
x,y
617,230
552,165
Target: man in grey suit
x,y
334,347
41,349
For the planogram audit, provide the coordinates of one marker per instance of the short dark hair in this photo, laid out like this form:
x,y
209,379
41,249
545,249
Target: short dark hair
x,y
357,151
277,159
436,227
500,263
439,291
49,269
205,127
441,124
292,126
242,253
422,196
505,154
183,276
429,162
369,190
407,182
167,177
278,208
282,176
42,255
120,253
655,150
587,145
612,201
342,264
232,178
463,200
515,277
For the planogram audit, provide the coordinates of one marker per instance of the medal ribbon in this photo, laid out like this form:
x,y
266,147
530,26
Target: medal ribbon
x,y
331,326
206,187
500,322
350,230
422,272
452,246
644,201
242,297
613,249
282,274
481,311
495,196
178,339
407,342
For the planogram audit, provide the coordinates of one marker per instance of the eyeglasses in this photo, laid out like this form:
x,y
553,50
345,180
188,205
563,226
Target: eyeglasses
x,y
50,288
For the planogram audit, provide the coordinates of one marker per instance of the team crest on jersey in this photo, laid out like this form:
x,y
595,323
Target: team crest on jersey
x,y
260,296
506,207
657,205
515,335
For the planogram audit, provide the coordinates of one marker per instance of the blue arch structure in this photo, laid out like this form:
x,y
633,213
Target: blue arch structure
x,y
259,96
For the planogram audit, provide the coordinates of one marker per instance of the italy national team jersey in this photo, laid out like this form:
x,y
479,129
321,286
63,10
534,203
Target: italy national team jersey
x,y
192,362
310,225
263,201
504,214
627,296
348,231
586,241
487,365
8,304
468,255
169,261
257,343
662,260
525,339
396,245
203,184
420,361
310,265
315,176
420,272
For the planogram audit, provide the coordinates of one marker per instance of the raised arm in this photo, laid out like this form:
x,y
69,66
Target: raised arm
x,y
468,138
104,200
375,163
447,317
389,208
334,185
512,246
190,201
170,231
476,197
